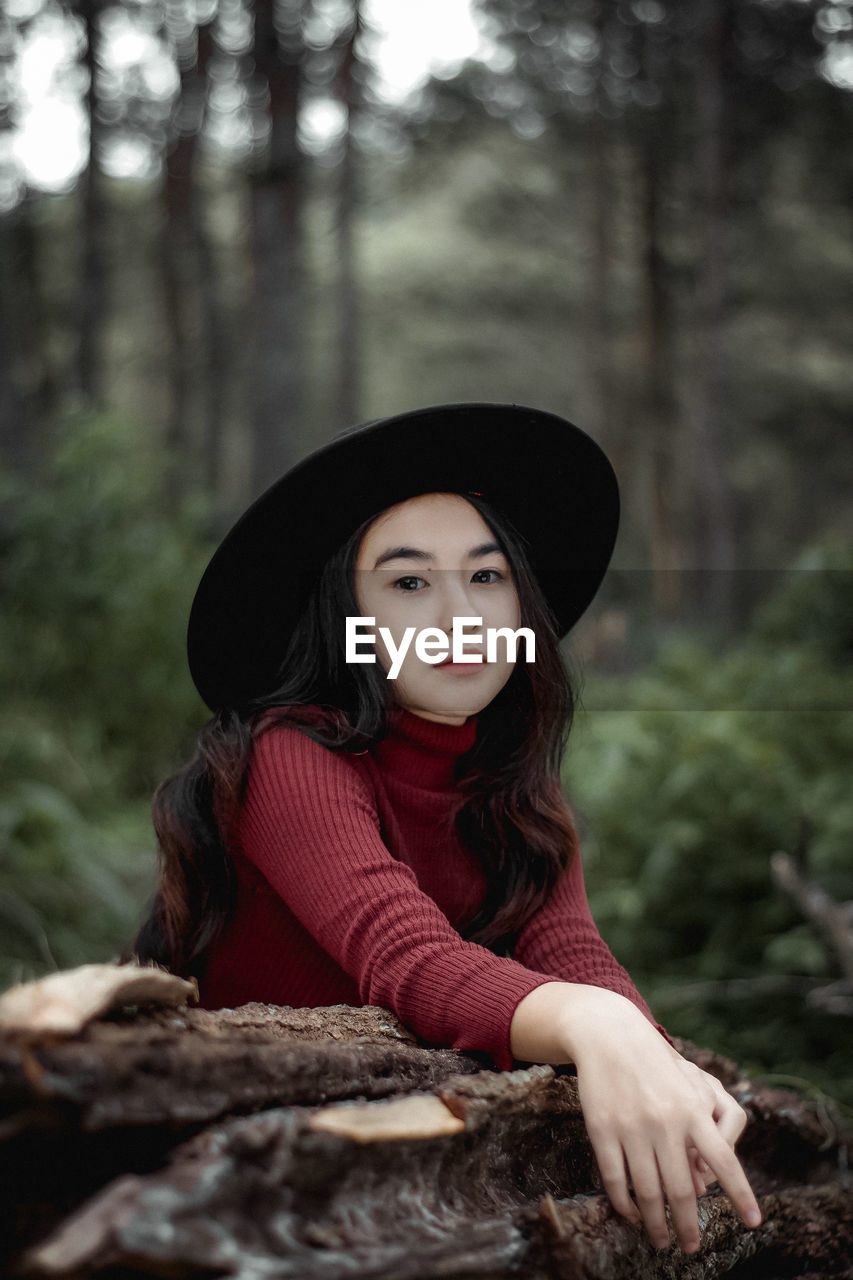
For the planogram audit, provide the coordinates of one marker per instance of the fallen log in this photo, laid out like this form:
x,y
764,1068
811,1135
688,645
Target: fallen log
x,y
180,1069
328,1143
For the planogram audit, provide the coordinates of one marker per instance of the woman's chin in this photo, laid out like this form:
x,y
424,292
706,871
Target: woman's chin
x,y
455,704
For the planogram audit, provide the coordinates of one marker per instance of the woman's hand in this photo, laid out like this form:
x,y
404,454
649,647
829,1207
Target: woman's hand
x,y
659,1125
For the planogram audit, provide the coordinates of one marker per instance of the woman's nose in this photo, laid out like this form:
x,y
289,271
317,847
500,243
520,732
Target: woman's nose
x,y
456,599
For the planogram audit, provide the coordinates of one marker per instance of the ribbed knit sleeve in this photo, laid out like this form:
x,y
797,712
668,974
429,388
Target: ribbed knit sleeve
x,y
562,940
310,824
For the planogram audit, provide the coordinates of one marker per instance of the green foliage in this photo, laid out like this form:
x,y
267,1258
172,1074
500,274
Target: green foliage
x,y
95,584
689,777
817,603
75,861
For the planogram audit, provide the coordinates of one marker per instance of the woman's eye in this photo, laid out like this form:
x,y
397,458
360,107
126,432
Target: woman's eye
x,y
407,584
497,575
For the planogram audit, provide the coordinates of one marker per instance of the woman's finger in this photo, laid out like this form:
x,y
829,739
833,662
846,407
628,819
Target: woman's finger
x,y
729,1172
680,1190
728,1115
648,1192
611,1166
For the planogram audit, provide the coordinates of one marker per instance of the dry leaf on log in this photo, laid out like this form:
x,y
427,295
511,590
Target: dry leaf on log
x,y
394,1121
62,1003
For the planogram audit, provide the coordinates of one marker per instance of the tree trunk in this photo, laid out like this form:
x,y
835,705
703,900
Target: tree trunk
x,y
12,421
599,216
717,543
348,300
597,330
215,365
327,1142
277,199
176,257
196,369
92,286
657,404
14,428
29,387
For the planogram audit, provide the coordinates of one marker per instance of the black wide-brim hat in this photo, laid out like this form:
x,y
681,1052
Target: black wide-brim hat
x,y
550,479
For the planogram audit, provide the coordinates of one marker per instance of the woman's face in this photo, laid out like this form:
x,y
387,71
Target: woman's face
x,y
421,564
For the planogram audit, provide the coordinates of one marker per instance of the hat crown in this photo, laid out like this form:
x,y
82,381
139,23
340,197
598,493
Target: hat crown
x,y
546,476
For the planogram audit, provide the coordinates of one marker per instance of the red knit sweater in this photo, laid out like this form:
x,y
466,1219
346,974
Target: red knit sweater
x,y
351,881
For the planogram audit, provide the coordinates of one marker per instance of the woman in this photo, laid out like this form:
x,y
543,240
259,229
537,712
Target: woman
x,y
342,836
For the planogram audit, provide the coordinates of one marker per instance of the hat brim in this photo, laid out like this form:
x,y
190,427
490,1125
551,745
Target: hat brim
x,y
551,480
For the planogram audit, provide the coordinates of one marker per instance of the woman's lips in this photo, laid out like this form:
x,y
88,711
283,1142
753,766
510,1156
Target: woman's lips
x,y
448,665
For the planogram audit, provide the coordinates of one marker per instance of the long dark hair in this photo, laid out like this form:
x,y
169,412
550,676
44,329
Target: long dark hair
x,y
510,809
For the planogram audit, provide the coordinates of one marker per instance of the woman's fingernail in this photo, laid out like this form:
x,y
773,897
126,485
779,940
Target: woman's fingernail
x,y
753,1218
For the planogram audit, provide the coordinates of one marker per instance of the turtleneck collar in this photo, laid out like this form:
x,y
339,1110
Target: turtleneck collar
x,y
424,752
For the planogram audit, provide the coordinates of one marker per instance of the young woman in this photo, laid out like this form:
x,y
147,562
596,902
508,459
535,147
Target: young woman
x,y
342,836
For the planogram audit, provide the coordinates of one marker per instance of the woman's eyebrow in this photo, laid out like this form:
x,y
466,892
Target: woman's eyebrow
x,y
415,553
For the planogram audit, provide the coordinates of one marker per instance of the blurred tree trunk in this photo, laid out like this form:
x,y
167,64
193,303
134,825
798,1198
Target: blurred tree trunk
x,y
717,549
596,332
92,284
348,301
12,422
176,259
277,199
657,407
214,373
28,390
11,408
189,287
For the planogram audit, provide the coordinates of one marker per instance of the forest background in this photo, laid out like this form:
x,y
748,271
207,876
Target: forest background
x,y
636,213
